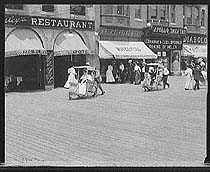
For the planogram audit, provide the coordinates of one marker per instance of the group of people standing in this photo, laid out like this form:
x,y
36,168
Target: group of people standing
x,y
132,72
136,73
195,73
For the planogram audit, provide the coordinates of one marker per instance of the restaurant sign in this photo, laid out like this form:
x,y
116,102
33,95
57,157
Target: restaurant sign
x,y
195,39
168,30
105,31
164,44
36,21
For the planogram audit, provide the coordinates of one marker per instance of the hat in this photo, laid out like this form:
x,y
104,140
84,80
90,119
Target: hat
x,y
88,63
129,61
72,70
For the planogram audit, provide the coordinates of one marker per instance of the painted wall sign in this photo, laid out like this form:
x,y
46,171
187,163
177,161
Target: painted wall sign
x,y
195,39
164,44
168,30
120,32
35,21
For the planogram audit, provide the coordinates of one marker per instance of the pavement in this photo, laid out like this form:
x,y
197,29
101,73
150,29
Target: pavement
x,y
124,127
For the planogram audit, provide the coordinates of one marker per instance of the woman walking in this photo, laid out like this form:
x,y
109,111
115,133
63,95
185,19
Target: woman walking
x,y
189,78
109,75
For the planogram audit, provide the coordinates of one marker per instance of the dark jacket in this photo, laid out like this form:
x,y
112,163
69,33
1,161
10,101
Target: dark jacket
x,y
197,74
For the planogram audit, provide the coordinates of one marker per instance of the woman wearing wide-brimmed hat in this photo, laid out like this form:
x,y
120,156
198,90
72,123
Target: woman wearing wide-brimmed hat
x,y
71,77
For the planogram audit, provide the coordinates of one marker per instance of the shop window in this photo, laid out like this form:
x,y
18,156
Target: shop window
x,y
153,12
138,12
173,14
163,12
189,15
120,9
203,18
77,10
48,8
14,6
108,9
197,15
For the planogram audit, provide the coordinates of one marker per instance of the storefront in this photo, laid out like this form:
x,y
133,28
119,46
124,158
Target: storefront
x,y
167,43
194,47
47,47
121,52
24,53
120,44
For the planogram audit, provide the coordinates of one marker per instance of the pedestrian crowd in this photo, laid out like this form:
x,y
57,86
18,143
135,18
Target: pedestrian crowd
x,y
138,73
195,74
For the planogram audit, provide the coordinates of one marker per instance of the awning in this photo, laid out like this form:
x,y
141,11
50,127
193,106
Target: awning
x,y
195,50
23,42
125,50
70,44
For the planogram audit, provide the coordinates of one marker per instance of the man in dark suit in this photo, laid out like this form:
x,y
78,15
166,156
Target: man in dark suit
x,y
197,75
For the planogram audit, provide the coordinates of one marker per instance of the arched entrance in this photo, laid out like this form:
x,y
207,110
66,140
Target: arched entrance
x,y
69,50
24,63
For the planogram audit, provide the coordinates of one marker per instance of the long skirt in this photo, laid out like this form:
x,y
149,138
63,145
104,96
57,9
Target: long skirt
x,y
109,77
189,83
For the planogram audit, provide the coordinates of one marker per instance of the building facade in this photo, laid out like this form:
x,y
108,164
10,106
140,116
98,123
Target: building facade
x,y
167,28
43,41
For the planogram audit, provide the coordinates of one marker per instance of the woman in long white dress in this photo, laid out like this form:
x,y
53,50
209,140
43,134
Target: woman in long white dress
x,y
189,79
71,77
109,75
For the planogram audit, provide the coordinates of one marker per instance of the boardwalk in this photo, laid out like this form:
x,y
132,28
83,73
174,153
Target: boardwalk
x,y
125,127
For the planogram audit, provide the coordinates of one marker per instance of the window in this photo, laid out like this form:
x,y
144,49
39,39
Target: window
x,y
197,15
120,10
108,9
153,12
173,14
48,8
189,15
138,12
14,6
163,12
77,10
202,17
127,11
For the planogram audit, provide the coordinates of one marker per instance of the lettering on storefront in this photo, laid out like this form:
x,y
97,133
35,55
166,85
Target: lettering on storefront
x,y
120,32
49,22
128,48
164,44
168,30
195,39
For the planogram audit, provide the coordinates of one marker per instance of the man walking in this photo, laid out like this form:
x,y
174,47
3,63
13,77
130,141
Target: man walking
x,y
165,77
197,74
98,81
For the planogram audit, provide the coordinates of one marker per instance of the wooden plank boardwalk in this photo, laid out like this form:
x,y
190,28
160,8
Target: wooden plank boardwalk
x,y
126,126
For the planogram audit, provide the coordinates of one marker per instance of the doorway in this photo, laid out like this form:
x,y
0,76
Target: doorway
x,y
30,68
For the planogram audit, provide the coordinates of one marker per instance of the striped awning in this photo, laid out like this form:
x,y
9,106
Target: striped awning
x,y
23,42
70,44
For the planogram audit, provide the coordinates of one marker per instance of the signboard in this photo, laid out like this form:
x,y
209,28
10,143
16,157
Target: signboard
x,y
195,39
168,30
163,44
120,32
35,21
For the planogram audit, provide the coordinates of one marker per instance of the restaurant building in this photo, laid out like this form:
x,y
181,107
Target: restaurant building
x,y
40,49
